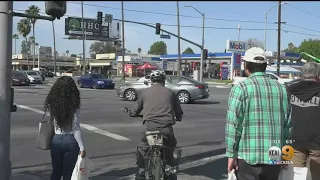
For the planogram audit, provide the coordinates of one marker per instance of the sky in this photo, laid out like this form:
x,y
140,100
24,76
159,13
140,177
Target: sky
x,y
222,20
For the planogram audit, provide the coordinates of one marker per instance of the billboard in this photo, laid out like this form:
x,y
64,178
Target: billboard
x,y
94,31
238,46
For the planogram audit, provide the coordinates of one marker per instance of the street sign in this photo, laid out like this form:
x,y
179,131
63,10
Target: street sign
x,y
73,26
238,46
165,36
108,18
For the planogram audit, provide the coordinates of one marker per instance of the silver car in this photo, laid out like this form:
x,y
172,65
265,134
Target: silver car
x,y
186,89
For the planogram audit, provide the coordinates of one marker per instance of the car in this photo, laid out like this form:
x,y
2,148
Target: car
x,y
186,89
48,74
19,78
96,81
34,77
236,80
43,76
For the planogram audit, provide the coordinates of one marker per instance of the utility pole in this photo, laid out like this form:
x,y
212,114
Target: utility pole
x,y
5,87
123,50
202,58
83,40
279,39
54,50
179,51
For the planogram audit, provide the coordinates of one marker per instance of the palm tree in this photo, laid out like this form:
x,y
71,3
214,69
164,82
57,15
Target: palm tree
x,y
15,37
33,10
24,28
67,52
139,50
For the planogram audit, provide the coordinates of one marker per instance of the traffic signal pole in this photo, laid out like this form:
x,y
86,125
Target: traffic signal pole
x,y
5,87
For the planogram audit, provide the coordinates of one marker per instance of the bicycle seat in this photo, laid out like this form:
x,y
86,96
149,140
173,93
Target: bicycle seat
x,y
154,138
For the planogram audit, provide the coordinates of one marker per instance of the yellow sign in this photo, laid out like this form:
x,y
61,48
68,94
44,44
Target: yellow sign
x,y
287,152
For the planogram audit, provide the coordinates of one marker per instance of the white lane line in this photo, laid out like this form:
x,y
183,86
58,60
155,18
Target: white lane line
x,y
223,86
85,126
191,164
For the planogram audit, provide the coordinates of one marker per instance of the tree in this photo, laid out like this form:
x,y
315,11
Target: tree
x,y
291,48
310,46
158,48
25,47
73,55
24,28
253,42
33,10
102,48
188,51
15,37
67,52
139,50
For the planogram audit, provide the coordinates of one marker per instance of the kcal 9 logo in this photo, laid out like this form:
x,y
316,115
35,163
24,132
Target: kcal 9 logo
x,y
287,152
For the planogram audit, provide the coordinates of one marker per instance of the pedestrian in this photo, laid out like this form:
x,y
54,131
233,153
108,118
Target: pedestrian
x,y
63,104
305,100
257,119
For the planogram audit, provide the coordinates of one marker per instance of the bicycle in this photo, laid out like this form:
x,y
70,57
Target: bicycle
x,y
156,165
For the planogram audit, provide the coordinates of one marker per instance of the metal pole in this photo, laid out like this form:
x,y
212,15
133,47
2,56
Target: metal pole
x,y
38,59
54,51
83,41
123,47
279,39
179,50
5,87
202,47
238,32
265,32
34,48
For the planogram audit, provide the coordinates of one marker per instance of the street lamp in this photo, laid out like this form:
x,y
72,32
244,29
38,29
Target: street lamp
x,y
266,24
202,45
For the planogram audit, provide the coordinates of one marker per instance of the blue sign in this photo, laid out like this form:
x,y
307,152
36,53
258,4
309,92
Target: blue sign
x,y
238,46
165,36
224,73
164,64
236,59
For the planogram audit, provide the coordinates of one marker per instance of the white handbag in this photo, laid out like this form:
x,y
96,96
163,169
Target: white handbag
x,y
82,169
295,173
232,175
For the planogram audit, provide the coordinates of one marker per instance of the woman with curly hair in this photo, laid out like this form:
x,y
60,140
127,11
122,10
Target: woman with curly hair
x,y
63,104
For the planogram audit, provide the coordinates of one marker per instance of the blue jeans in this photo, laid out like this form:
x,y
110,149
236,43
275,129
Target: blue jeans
x,y
64,156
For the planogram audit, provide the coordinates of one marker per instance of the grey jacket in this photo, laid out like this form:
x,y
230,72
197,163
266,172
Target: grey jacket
x,y
159,105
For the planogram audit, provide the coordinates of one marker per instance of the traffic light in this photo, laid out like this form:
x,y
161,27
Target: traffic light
x,y
158,28
99,17
56,9
205,53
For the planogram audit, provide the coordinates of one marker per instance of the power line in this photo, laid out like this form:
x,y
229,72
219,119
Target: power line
x,y
211,27
304,11
187,16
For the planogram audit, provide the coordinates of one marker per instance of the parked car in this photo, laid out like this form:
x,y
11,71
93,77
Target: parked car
x,y
43,76
18,78
96,81
48,74
236,80
34,77
186,89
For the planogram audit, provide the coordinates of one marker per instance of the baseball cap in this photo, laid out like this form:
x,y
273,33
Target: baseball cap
x,y
255,55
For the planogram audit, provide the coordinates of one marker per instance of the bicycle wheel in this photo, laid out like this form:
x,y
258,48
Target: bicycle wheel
x,y
157,167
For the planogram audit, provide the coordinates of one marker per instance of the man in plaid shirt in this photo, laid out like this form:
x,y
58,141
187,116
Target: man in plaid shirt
x,y
258,118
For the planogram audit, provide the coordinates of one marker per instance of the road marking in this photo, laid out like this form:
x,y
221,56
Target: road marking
x,y
223,87
85,126
188,165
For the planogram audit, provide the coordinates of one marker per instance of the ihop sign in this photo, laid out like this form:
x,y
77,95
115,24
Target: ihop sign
x,y
238,46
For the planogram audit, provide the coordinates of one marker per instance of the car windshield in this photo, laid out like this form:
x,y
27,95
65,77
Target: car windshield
x,y
32,73
96,76
18,74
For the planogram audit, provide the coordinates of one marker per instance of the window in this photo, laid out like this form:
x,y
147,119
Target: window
x,y
175,80
118,26
96,76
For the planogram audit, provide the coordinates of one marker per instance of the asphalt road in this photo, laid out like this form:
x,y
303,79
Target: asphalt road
x,y
110,136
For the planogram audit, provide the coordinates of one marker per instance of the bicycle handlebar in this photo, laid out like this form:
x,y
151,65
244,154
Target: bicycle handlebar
x,y
126,110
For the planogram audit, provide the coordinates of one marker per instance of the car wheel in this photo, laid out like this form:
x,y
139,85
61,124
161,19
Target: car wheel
x,y
184,97
95,86
80,84
130,94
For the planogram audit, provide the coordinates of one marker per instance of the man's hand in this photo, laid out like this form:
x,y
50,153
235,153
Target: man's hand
x,y
83,153
232,164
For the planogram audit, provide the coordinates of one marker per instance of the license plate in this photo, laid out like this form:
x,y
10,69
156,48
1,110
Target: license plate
x,y
207,89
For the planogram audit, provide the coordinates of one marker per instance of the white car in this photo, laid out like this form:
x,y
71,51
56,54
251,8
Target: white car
x,y
236,80
33,76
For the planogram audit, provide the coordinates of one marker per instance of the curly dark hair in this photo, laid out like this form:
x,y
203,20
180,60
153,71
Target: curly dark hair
x,y
62,102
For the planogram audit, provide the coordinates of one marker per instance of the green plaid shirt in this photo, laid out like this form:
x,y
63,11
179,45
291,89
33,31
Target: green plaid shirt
x,y
258,117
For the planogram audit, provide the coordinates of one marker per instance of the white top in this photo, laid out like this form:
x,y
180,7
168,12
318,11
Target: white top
x,y
76,130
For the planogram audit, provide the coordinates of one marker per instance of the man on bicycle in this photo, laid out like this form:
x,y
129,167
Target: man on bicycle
x,y
160,108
